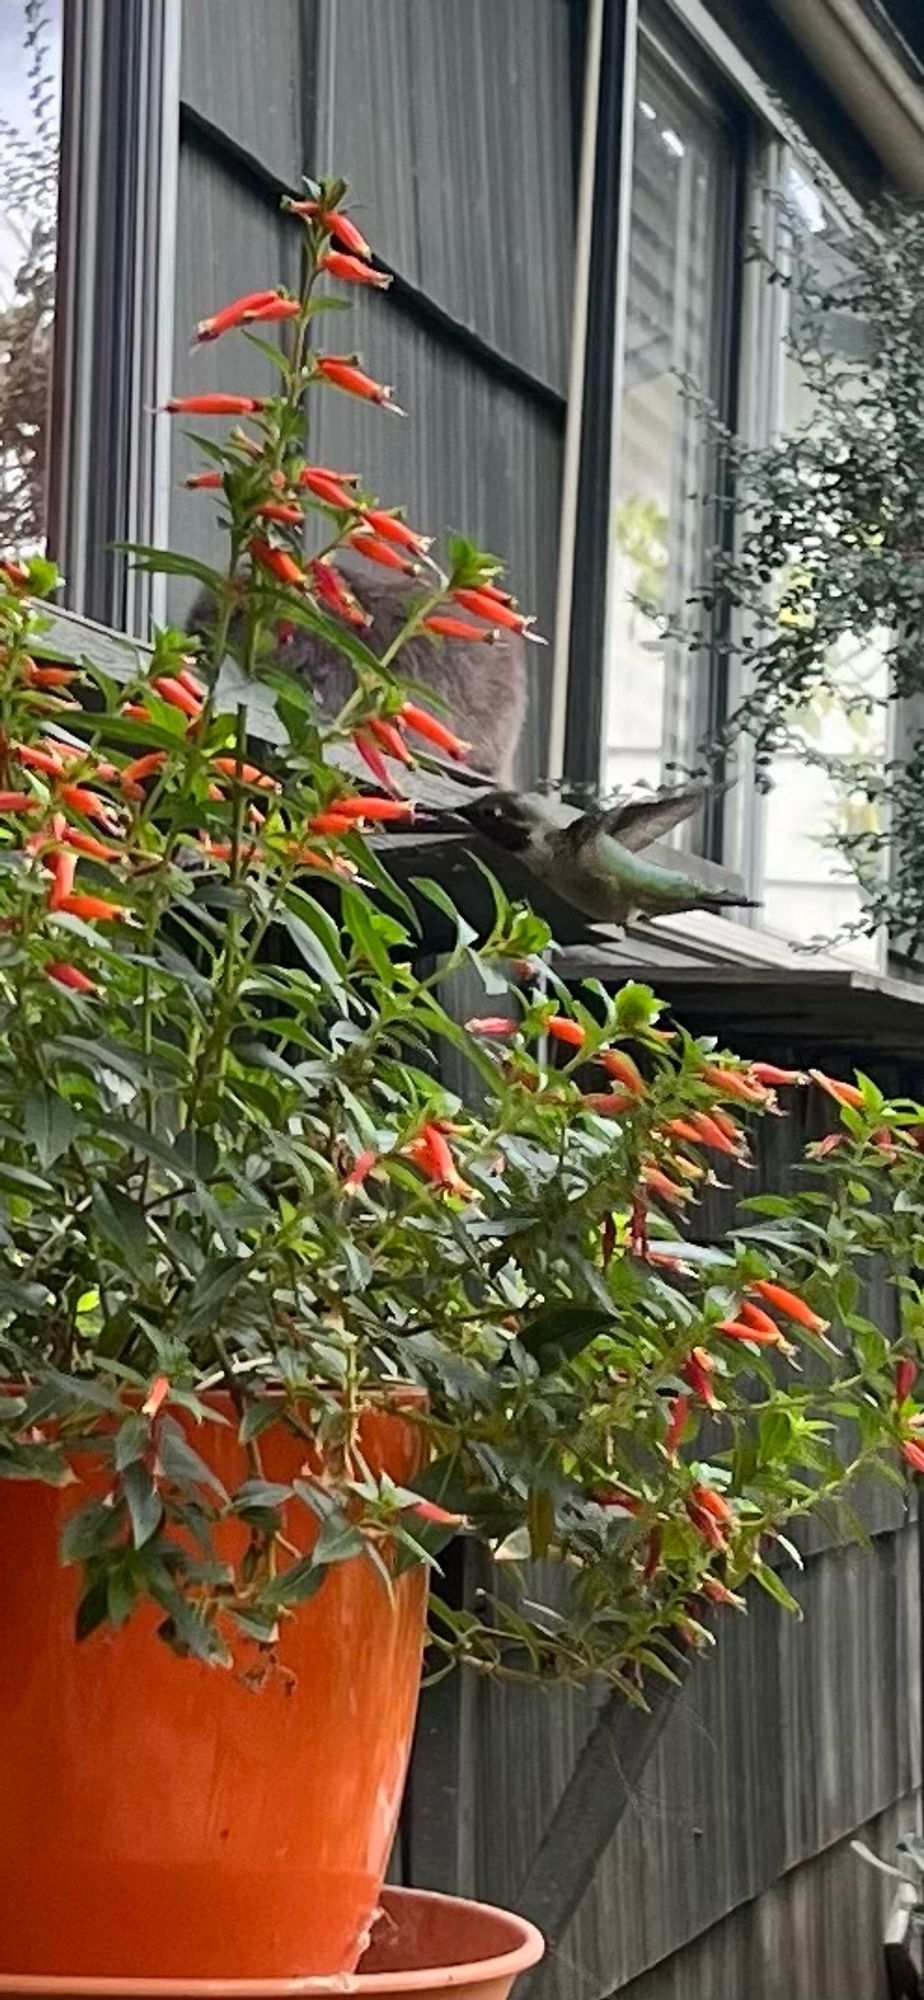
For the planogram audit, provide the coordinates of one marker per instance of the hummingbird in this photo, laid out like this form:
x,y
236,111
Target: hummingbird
x,y
595,861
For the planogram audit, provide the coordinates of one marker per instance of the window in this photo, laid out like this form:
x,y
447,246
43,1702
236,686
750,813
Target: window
x,y
806,889
680,301
29,81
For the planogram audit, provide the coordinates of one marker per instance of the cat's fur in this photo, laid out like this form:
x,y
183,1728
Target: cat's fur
x,y
483,688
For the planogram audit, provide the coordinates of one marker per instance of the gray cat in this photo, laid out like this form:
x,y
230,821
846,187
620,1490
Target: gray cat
x,y
482,687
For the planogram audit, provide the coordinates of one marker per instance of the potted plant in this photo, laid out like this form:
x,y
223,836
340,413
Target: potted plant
x,y
280,1314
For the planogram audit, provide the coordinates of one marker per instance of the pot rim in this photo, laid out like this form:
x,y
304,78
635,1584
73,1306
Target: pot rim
x,y
526,1949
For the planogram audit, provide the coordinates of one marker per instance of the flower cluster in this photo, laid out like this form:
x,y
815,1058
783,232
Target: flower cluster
x,y
229,1166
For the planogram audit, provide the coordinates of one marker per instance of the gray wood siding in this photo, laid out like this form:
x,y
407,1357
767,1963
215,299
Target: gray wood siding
x,y
454,125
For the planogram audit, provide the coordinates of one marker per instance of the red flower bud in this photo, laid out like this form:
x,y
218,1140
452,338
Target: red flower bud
x,y
697,1372
41,676
246,774
337,225
769,1073
733,1083
204,481
906,1374
89,803
331,823
274,309
372,756
679,1414
87,843
428,1510
280,510
913,1454
63,869
496,611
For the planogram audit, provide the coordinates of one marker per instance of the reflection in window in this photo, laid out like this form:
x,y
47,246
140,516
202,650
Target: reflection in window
x,y
808,891
29,89
676,314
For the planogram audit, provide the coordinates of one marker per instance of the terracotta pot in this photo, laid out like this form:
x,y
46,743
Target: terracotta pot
x,y
161,1819
424,1947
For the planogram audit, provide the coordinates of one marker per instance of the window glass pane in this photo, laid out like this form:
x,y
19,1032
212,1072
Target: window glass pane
x,y
683,172
808,891
29,90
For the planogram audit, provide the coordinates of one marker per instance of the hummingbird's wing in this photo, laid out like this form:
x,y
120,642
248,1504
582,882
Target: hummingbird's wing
x,y
638,822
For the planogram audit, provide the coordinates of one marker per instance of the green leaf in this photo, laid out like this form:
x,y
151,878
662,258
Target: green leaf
x,y
214,1285
441,900
144,1504
309,928
49,1123
165,562
88,1532
771,1581
131,1441
93,1608
181,1463
297,1583
337,1542
122,1220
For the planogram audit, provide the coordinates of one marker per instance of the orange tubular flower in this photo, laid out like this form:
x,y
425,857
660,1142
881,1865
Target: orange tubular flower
x,y
279,563
362,1167
562,1029
843,1093
660,1183
48,676
330,589
143,767
492,1024
352,270
371,809
913,1454
458,628
92,909
246,774
497,612
736,1329
63,869
714,1504
87,843
770,1074
376,550
433,730
720,1593
331,823
135,711
330,487
679,1414
608,1103
711,1134
178,695
70,976
789,1303
393,529
280,510
156,1396
755,1317
273,309
697,1372
344,373
372,757
433,1153
620,1066
207,482
89,803
232,315
214,403
46,761
428,1510
391,739
734,1083
337,225
906,1374
19,802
